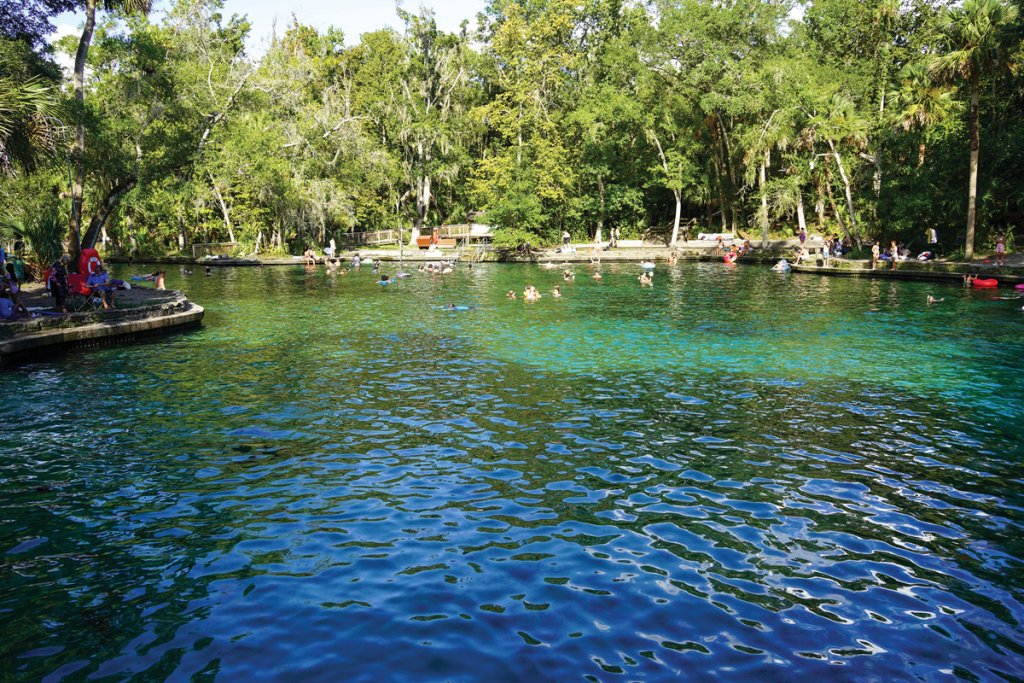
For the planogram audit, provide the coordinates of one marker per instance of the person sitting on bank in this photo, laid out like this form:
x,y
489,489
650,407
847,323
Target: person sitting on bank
x,y
100,284
14,289
310,257
8,309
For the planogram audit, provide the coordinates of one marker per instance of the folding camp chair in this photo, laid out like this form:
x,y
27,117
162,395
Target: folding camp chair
x,y
80,295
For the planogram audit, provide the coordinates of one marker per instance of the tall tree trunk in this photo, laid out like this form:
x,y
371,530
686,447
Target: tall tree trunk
x,y
223,208
920,155
835,209
723,174
763,217
679,210
846,185
819,206
600,218
675,193
106,207
972,185
731,171
801,220
104,210
78,150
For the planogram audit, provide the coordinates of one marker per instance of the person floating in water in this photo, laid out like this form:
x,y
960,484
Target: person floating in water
x,y
556,292
646,279
568,275
933,300
511,294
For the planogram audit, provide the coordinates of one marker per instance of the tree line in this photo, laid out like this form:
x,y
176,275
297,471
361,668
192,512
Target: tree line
x,y
862,118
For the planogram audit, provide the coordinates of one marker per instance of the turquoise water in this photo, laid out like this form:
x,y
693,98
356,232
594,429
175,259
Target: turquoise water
x,y
735,475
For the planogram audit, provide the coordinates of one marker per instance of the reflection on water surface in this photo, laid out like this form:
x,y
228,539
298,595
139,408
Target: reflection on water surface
x,y
735,474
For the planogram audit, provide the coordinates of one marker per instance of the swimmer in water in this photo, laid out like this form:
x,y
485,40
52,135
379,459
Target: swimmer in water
x,y
596,276
933,300
646,279
556,292
568,275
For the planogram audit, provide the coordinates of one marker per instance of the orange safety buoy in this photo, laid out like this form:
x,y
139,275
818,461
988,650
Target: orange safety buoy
x,y
89,262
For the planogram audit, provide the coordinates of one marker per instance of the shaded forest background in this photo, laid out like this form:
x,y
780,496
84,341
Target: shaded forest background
x,y
660,118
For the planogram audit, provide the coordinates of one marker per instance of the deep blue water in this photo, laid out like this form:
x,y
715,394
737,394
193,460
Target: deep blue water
x,y
734,475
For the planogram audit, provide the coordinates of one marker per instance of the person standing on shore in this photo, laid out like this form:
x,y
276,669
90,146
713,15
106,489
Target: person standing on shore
x,y
58,282
932,237
1001,250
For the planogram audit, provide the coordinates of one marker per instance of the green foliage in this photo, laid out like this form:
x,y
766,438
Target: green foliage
x,y
555,115
43,232
515,241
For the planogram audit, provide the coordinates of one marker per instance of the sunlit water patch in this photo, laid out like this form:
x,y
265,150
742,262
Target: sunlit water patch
x,y
732,475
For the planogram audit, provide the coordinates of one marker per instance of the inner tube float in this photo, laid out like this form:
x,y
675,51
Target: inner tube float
x,y
985,283
1020,287
647,265
451,307
730,257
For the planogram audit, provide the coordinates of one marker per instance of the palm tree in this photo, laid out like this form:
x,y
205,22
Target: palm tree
x,y
28,130
975,50
78,151
840,125
920,103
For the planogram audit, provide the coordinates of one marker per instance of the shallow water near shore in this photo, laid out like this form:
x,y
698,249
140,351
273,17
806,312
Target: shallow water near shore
x,y
736,474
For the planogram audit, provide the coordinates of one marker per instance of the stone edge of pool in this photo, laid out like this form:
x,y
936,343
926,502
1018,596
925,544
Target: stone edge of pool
x,y
73,331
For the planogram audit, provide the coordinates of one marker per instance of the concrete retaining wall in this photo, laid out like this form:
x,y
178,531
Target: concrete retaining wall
x,y
58,334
